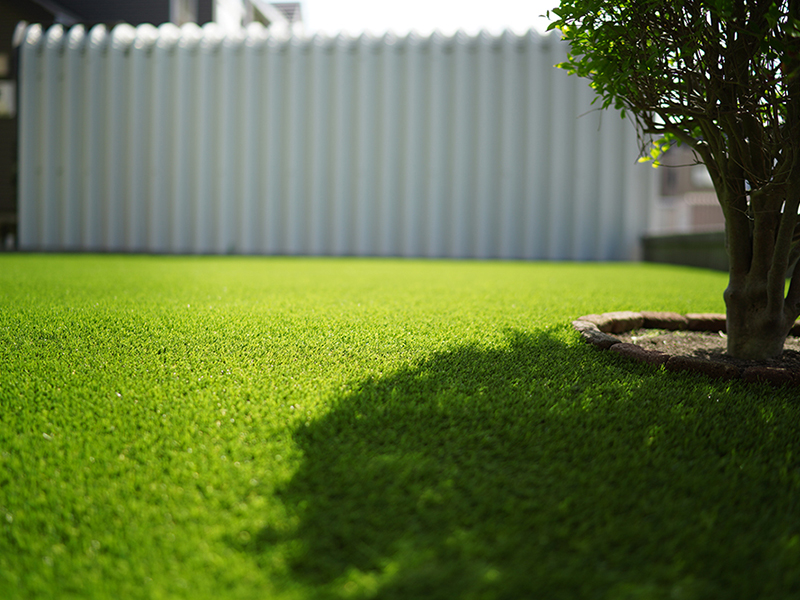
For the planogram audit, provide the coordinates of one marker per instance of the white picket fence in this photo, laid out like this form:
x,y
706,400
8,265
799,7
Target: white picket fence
x,y
183,140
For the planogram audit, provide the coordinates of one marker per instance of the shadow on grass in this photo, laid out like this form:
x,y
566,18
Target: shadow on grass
x,y
545,470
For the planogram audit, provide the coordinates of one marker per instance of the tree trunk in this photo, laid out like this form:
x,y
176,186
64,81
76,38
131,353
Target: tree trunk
x,y
759,234
755,332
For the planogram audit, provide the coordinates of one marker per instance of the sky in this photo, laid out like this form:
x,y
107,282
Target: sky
x,y
424,16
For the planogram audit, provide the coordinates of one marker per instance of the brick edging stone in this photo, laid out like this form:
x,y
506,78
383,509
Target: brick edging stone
x,y
598,330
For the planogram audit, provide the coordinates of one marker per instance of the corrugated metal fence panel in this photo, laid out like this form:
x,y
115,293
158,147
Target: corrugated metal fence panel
x,y
184,140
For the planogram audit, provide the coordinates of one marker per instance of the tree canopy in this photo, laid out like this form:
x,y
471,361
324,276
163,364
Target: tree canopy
x,y
722,76
691,71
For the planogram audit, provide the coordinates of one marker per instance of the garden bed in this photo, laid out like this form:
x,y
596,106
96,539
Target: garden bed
x,y
692,342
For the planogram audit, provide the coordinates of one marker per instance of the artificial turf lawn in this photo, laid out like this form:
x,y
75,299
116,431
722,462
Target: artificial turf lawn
x,y
305,428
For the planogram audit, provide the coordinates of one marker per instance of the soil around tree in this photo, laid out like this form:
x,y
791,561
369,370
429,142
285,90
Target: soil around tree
x,y
708,345
692,342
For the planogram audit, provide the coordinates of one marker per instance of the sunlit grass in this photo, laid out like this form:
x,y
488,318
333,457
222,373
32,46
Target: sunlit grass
x,y
304,428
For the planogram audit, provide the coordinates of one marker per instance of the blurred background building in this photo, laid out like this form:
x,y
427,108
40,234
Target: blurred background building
x,y
687,226
687,202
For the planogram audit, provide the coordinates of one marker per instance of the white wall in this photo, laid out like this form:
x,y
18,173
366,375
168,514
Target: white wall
x,y
189,141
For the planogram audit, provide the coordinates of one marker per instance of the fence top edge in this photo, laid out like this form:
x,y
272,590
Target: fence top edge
x,y
168,35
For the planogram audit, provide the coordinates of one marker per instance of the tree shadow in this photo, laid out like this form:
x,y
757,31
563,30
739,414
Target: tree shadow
x,y
542,469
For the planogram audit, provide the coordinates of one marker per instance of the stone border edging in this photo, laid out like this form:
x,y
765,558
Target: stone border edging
x,y
597,330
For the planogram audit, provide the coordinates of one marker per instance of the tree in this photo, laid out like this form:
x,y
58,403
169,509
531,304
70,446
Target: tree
x,y
723,77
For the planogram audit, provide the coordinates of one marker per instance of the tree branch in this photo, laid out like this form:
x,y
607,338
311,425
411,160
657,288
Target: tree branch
x,y
792,305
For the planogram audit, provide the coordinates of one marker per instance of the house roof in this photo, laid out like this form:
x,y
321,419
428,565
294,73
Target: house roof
x,y
291,10
271,12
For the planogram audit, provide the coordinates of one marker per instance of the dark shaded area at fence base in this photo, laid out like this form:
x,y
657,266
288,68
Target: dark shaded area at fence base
x,y
705,250
8,231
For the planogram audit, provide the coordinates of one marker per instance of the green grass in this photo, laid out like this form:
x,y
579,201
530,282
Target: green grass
x,y
326,428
